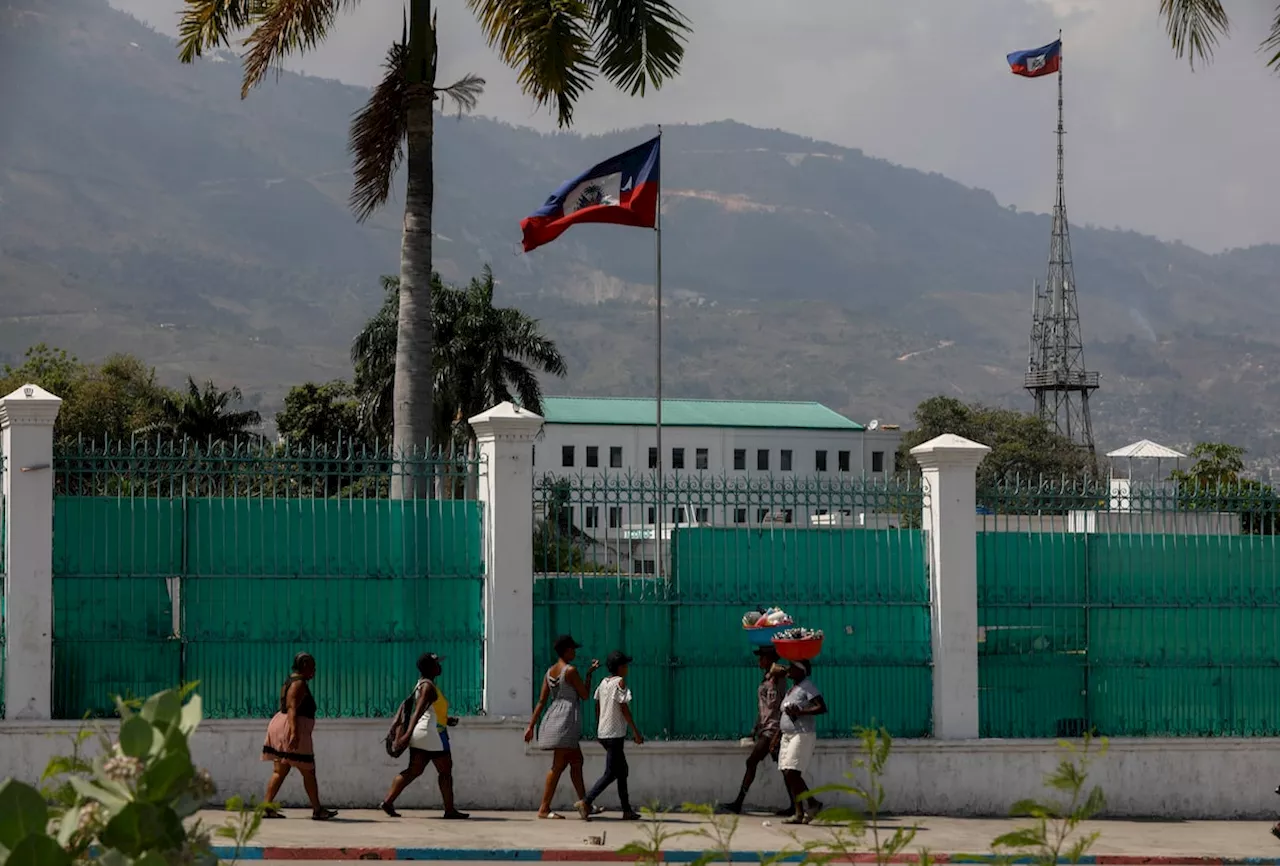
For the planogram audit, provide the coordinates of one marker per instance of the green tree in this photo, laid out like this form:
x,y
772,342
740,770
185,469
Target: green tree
x,y
113,400
1021,444
206,414
1213,483
484,355
107,401
1195,26
557,47
325,414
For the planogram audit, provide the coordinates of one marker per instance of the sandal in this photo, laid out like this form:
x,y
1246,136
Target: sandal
x,y
631,816
1275,831
455,815
551,816
272,813
597,810
390,810
798,818
584,809
323,814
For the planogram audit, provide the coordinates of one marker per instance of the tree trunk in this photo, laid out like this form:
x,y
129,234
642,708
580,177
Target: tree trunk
x,y
412,393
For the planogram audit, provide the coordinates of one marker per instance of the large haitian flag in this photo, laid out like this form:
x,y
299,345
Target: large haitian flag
x,y
1045,60
622,191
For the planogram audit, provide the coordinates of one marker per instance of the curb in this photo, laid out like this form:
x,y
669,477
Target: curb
x,y
578,855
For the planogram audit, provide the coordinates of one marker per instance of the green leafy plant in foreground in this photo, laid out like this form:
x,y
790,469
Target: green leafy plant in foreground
x,y
125,806
1053,836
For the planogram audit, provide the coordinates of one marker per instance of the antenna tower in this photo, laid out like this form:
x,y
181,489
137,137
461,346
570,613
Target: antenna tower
x,y
1056,375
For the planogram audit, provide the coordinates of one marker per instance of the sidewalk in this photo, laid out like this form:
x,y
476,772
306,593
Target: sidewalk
x,y
511,836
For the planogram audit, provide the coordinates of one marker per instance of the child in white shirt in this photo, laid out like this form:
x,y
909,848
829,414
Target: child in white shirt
x,y
613,715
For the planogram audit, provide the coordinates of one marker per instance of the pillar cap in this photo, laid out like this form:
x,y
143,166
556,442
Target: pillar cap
x,y
949,450
29,406
506,420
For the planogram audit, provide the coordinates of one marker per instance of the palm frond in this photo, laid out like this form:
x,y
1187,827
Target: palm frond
x,y
639,42
285,27
210,23
1272,42
377,136
547,42
1194,27
464,93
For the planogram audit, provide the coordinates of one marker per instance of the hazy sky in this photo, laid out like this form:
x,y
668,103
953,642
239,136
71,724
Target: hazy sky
x,y
1151,145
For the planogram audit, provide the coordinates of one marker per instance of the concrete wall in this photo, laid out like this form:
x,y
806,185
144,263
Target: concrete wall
x,y
1190,779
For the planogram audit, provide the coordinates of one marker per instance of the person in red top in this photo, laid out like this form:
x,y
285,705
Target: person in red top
x,y
766,733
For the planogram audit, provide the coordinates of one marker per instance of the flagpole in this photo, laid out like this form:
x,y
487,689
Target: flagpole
x,y
657,233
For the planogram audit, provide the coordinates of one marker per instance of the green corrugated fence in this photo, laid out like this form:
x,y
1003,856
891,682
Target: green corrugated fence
x,y
1159,620
694,677
4,612
153,587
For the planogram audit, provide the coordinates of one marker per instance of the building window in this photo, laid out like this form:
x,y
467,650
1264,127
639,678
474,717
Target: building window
x,y
615,516
761,514
786,515
700,458
877,461
650,516
646,567
677,458
591,516
785,460
615,457
820,461
566,455
677,515
593,456
842,461
653,458
762,460
700,515
739,459
739,515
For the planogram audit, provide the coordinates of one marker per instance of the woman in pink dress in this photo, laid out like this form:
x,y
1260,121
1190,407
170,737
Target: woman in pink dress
x,y
289,742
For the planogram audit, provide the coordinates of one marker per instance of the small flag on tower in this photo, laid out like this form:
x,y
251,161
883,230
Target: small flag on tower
x,y
1038,61
621,191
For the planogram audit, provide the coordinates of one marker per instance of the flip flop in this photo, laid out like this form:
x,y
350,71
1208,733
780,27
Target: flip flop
x,y
389,810
455,815
324,815
551,816
584,811
597,810
272,813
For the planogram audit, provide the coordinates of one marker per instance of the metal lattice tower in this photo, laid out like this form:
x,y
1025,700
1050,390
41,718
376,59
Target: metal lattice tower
x,y
1056,375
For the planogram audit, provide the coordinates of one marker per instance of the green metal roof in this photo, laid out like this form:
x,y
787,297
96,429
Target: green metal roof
x,y
632,411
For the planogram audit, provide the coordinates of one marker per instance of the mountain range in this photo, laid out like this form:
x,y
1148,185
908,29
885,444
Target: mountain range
x,y
144,207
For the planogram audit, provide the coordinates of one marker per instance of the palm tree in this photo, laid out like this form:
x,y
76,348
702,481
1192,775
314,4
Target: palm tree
x,y
1194,27
558,47
483,355
205,414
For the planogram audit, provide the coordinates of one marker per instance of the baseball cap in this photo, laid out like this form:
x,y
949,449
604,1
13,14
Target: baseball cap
x,y
617,659
566,642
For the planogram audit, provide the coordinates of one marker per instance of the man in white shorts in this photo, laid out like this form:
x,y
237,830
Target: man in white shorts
x,y
800,710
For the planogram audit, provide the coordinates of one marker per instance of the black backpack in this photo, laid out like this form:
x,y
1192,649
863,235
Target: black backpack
x,y
400,724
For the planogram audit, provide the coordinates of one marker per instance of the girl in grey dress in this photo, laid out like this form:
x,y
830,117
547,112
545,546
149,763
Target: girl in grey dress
x,y
561,730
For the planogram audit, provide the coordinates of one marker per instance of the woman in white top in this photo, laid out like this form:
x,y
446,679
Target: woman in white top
x,y
425,744
613,715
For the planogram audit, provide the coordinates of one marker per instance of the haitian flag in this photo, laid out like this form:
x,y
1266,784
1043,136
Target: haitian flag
x,y
620,191
1038,61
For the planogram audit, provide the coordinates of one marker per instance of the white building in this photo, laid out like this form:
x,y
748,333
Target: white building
x,y
727,463
616,435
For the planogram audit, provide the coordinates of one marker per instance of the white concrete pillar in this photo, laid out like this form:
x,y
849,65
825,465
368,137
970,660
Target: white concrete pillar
x,y
26,436
505,437
949,464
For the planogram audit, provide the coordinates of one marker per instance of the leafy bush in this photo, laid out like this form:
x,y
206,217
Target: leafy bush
x,y
126,806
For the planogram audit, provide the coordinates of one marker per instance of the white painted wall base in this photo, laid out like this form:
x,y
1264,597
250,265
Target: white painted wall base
x,y
1192,778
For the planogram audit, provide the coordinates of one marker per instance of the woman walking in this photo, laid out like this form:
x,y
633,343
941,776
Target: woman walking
x,y
427,742
561,730
289,738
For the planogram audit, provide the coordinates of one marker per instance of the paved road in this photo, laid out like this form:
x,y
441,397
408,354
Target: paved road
x,y
515,831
